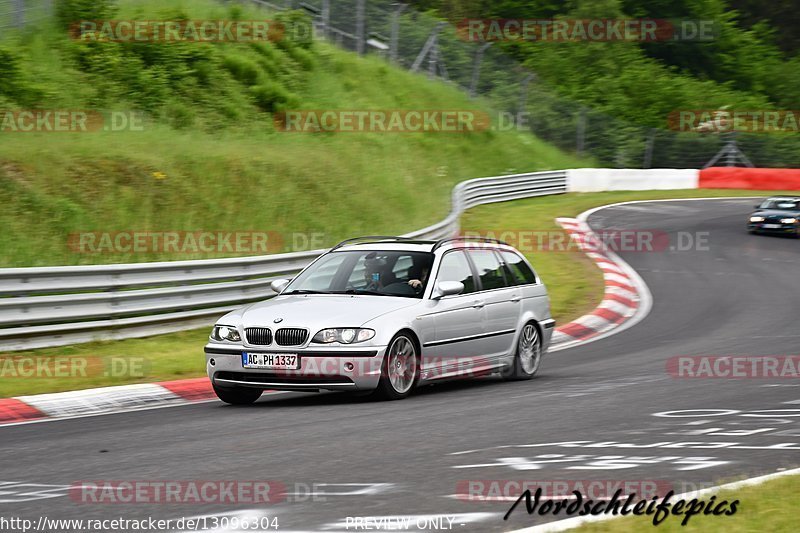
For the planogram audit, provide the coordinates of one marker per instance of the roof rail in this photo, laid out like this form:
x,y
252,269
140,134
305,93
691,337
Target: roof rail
x,y
441,242
372,238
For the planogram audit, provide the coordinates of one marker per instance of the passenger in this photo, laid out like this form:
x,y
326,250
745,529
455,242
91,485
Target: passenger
x,y
374,268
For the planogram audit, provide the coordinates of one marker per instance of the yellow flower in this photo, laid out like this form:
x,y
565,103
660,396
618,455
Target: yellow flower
x,y
159,175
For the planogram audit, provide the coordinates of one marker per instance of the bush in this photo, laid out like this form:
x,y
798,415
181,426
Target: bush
x,y
69,12
9,74
271,97
244,70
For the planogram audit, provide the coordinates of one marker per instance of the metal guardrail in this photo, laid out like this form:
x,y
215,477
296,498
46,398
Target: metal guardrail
x,y
55,306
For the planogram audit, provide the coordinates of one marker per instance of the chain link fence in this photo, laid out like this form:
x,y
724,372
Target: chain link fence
x,y
425,44
18,13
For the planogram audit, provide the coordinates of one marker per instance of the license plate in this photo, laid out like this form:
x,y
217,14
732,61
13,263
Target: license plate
x,y
771,226
285,361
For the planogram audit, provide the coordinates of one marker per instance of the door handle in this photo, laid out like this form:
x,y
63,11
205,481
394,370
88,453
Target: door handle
x,y
515,298
478,304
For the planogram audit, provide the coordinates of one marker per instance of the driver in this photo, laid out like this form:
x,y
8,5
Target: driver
x,y
418,273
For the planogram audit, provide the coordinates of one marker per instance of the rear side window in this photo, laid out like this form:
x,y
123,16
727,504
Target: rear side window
x,y
454,267
520,271
489,269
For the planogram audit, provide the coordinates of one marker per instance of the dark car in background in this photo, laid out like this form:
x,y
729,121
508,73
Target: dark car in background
x,y
777,215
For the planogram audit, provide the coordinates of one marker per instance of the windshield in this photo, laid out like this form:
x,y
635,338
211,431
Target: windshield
x,y
788,204
379,273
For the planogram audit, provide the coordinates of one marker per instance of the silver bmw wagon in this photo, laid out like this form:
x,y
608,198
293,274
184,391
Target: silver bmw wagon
x,y
385,315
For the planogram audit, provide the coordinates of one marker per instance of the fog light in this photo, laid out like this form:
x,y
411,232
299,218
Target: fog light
x,y
212,362
349,367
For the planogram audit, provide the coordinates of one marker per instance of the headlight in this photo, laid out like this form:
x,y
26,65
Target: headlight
x,y
343,335
788,220
756,219
225,333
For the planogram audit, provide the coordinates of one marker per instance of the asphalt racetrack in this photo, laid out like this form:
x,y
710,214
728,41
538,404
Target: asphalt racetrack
x,y
606,411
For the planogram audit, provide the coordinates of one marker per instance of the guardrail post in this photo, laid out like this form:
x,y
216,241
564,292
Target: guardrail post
x,y
523,93
581,132
19,13
476,69
395,35
326,17
433,59
360,27
648,148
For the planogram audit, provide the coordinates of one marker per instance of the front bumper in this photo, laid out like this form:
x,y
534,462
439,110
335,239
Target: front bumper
x,y
321,367
782,229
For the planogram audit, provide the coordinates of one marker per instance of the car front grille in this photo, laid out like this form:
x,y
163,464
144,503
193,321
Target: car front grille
x,y
258,336
291,336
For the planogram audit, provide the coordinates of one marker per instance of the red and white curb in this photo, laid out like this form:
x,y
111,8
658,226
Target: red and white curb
x,y
625,302
626,298
24,409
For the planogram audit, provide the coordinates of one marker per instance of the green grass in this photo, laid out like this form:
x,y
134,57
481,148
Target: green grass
x,y
574,283
159,358
766,507
209,158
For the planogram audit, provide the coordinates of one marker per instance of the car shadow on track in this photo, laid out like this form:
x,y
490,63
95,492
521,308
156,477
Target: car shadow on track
x,y
473,385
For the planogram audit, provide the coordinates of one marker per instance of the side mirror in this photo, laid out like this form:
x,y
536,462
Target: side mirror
x,y
757,206
278,285
447,288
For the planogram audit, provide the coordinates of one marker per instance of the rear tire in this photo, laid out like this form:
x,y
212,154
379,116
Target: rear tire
x,y
237,395
400,369
528,357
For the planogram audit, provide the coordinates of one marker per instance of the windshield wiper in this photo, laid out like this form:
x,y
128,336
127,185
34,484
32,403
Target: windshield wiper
x,y
306,291
363,291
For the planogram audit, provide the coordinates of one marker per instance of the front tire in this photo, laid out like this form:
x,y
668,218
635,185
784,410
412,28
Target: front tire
x,y
400,369
528,358
237,395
